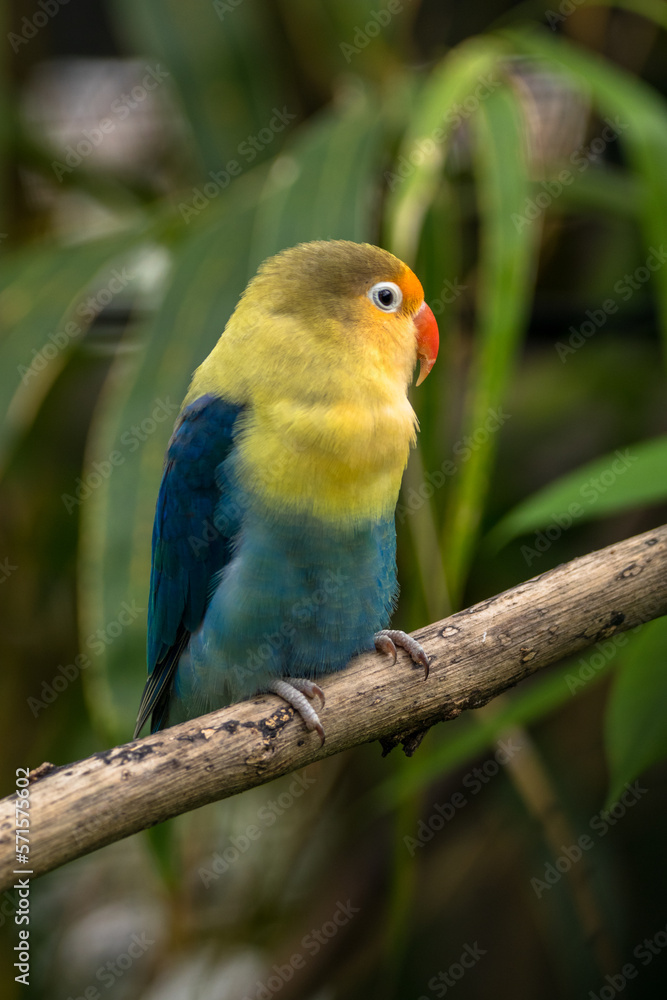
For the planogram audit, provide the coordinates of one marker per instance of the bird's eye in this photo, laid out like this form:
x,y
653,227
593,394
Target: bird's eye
x,y
386,296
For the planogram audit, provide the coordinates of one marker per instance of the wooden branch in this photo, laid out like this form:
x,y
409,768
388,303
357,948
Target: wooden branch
x,y
475,655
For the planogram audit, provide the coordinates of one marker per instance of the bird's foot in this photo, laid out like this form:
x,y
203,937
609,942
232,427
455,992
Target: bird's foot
x,y
388,639
296,691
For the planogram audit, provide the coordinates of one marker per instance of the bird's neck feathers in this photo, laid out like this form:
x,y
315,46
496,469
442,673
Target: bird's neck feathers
x,y
327,427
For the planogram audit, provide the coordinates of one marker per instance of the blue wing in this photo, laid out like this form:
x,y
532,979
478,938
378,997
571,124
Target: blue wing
x,y
189,547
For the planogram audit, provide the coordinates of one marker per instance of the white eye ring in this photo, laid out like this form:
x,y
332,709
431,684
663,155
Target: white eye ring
x,y
386,295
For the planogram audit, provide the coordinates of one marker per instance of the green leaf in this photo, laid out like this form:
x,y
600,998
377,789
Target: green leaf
x,y
639,115
506,278
40,291
228,71
415,177
629,477
635,730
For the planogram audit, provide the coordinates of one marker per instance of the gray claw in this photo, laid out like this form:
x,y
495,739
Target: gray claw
x,y
387,640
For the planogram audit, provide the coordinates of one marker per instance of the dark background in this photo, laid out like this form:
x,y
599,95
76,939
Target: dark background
x,y
125,234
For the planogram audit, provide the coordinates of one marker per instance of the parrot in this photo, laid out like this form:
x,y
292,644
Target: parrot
x,y
274,540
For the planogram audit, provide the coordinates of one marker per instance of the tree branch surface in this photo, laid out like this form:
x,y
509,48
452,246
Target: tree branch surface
x,y
475,655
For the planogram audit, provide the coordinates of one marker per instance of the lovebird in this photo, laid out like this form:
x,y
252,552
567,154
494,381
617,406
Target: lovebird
x,y
274,542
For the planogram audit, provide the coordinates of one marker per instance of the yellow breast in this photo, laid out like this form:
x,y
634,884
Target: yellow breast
x,y
340,462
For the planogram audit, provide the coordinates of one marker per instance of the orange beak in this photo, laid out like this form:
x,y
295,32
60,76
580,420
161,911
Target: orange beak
x,y
428,340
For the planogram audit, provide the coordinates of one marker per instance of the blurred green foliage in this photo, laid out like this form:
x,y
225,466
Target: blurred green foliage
x,y
516,158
